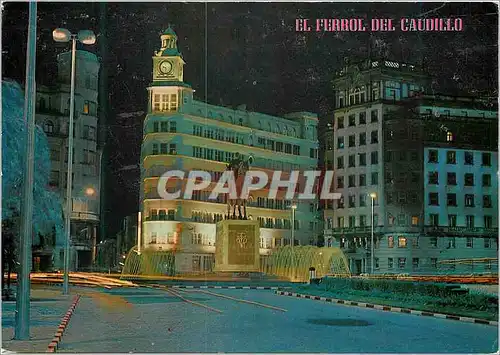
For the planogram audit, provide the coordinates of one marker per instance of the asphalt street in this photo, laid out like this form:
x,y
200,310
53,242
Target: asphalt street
x,y
152,320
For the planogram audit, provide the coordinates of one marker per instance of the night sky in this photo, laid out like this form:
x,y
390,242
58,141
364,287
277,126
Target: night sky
x,y
249,53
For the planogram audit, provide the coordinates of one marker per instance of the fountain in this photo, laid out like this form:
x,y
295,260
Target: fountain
x,y
294,262
149,262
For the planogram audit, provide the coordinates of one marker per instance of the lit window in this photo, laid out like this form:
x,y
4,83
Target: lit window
x,y
401,242
449,137
390,242
414,221
86,107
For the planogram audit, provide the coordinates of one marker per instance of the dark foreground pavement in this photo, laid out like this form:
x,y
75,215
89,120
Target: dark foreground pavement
x,y
151,320
48,307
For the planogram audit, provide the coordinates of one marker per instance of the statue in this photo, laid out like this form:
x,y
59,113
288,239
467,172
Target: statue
x,y
239,167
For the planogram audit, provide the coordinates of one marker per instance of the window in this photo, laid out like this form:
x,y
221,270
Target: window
x,y
374,158
390,263
452,220
340,122
452,243
390,241
389,135
374,116
402,197
352,180
487,201
362,180
352,141
389,178
469,243
486,159
433,156
402,155
415,263
451,157
433,178
155,149
352,201
486,180
48,127
415,242
401,242
414,156
451,178
340,163
340,142
487,243
414,221
163,148
362,118
415,177
352,221
388,156
468,158
362,200
469,200
362,159
449,136
434,263
451,199
173,150
469,221
433,242
340,182
352,161
374,137
86,107
374,178
362,139
196,262
401,219
362,221
340,222
401,263
488,221
340,202
173,127
164,128
434,219
469,180
433,199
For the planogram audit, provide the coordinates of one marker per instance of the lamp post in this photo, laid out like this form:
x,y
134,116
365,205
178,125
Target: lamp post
x,y
373,196
22,330
294,207
85,37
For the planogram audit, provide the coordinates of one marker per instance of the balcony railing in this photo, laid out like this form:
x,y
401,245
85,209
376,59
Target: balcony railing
x,y
461,230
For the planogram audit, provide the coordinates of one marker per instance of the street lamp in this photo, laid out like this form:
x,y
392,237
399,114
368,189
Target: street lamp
x,y
373,196
294,207
85,37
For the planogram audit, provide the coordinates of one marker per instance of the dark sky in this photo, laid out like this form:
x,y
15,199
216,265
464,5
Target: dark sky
x,y
250,53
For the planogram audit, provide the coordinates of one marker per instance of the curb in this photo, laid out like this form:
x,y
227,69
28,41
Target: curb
x,y
235,287
62,326
390,309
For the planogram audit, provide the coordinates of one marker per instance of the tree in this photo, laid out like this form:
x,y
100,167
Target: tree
x,y
47,205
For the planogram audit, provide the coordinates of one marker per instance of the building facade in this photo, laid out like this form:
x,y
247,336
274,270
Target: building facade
x,y
52,114
184,134
425,214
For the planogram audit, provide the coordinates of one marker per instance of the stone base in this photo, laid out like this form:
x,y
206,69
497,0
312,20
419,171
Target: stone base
x,y
237,246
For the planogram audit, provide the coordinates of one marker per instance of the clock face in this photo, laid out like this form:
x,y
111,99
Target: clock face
x,y
165,67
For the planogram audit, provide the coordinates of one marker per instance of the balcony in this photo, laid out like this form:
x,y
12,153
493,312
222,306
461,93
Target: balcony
x,y
461,231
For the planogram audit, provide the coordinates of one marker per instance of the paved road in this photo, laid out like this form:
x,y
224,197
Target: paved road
x,y
158,322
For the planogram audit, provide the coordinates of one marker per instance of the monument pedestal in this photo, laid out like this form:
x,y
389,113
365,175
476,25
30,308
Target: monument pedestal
x,y
237,246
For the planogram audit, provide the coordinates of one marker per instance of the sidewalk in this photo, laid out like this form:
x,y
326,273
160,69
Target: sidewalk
x,y
48,306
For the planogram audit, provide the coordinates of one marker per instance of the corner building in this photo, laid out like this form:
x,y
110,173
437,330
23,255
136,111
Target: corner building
x,y
431,160
182,133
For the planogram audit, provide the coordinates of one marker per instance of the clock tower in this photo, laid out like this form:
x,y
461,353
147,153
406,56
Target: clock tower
x,y
167,62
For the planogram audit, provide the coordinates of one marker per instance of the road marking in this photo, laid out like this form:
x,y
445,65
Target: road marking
x,y
191,302
242,300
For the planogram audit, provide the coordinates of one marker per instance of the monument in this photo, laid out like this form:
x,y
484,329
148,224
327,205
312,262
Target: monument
x,y
237,238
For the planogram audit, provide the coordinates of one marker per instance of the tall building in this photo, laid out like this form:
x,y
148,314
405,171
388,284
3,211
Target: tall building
x,y
52,114
182,133
428,162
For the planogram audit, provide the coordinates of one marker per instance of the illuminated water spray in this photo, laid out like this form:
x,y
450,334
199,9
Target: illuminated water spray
x,y
294,263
